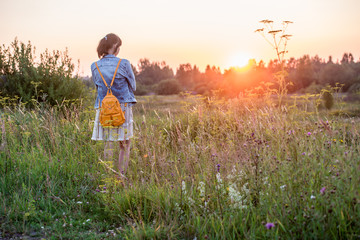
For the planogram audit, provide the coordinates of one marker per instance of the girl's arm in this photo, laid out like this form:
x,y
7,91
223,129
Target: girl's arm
x,y
131,76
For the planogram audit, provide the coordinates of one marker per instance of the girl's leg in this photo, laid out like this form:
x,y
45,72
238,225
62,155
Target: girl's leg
x,y
124,156
108,151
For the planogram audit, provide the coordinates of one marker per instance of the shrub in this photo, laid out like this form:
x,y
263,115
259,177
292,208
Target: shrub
x,y
142,89
50,79
168,87
355,88
328,99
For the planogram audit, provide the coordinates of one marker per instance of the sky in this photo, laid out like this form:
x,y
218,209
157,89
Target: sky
x,y
199,32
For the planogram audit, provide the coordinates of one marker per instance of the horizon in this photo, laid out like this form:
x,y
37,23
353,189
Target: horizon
x,y
200,33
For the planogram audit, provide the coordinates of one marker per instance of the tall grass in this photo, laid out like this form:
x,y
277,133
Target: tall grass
x,y
199,168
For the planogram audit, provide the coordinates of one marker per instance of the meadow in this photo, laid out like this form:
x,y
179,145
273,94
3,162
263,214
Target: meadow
x,y
200,168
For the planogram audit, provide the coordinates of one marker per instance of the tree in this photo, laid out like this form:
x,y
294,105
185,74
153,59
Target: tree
x,y
184,74
50,79
152,73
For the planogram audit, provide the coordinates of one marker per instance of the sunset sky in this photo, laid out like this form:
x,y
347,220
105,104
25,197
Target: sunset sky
x,y
200,32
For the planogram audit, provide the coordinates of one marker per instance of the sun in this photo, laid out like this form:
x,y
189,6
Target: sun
x,y
238,60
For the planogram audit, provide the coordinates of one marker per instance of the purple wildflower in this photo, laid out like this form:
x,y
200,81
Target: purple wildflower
x,y
97,190
303,153
218,167
269,225
322,191
309,133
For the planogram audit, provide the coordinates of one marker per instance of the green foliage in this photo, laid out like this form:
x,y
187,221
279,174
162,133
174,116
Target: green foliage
x,y
328,99
313,88
142,89
153,72
168,87
200,167
291,75
49,79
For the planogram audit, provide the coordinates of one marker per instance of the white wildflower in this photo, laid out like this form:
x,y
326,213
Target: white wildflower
x,y
266,180
191,201
312,197
282,187
218,178
183,187
235,195
245,189
201,189
241,174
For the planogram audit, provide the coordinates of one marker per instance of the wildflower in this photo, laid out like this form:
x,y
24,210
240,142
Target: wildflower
x,y
235,197
218,167
304,153
97,190
269,225
218,178
322,191
312,197
201,189
266,180
183,186
309,133
282,187
79,202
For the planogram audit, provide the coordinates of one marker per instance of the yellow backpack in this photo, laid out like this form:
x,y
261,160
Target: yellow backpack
x,y
111,114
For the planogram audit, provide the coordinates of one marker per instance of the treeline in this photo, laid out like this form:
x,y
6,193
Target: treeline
x,y
305,74
51,77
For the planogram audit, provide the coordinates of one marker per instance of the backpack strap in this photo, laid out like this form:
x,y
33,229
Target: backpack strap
x,y
109,88
115,73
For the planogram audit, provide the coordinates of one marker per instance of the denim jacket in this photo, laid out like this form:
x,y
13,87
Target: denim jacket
x,y
124,83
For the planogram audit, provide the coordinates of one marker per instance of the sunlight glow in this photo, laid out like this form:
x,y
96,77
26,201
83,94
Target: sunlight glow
x,y
239,60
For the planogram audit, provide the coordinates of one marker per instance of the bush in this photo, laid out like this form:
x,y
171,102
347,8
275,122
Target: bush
x,y
168,87
312,88
355,88
328,99
142,89
50,80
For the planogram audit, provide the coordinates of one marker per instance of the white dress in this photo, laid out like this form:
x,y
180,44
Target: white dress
x,y
121,133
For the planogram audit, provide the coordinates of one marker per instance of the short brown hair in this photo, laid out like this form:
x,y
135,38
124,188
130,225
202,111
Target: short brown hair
x,y
107,43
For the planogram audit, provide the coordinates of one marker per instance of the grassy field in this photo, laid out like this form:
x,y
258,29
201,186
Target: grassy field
x,y
199,169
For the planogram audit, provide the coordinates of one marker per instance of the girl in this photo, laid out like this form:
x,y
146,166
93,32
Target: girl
x,y
123,88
